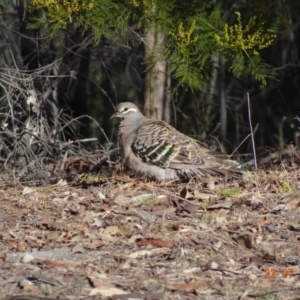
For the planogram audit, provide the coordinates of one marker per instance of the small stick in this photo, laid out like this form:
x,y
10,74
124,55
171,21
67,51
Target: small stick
x,y
252,135
241,143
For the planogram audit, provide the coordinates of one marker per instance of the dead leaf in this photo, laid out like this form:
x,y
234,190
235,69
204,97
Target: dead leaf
x,y
107,290
223,204
155,243
268,249
202,196
28,190
245,239
78,249
114,230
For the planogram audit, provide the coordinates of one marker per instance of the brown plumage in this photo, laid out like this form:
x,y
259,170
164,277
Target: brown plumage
x,y
157,150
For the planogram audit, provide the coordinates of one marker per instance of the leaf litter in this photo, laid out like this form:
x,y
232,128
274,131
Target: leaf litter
x,y
128,238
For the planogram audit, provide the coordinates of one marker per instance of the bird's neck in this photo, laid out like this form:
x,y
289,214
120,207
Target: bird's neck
x,y
127,129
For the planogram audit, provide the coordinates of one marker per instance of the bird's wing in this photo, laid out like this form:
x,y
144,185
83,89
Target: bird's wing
x,y
156,142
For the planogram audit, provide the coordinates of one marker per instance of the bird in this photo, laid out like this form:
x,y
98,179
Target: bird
x,y
155,149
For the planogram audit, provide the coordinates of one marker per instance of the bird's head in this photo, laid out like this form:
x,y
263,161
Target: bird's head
x,y
127,110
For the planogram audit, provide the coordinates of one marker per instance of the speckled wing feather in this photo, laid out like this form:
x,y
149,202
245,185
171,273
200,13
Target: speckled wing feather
x,y
158,143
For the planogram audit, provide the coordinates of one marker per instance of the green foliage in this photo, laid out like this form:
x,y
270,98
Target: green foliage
x,y
105,17
209,36
62,12
194,48
250,65
195,34
285,187
144,5
48,191
184,37
186,72
228,192
3,4
248,39
108,18
240,45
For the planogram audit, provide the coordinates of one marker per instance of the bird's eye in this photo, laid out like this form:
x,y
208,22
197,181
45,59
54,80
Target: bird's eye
x,y
125,109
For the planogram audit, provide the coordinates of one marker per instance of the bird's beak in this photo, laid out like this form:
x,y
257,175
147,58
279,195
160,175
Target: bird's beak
x,y
116,115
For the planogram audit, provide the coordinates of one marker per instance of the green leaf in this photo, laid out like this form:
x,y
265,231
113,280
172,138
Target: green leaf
x,y
228,192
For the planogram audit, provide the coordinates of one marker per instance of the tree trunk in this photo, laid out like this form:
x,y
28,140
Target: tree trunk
x,y
223,108
155,76
168,99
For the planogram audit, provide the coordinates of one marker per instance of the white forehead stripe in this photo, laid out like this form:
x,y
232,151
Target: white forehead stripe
x,y
128,110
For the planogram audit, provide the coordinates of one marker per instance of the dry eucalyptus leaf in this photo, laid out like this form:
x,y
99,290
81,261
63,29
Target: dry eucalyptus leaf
x,y
222,204
268,249
245,239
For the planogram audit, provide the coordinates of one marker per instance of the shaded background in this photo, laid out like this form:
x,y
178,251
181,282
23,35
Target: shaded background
x,y
95,77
